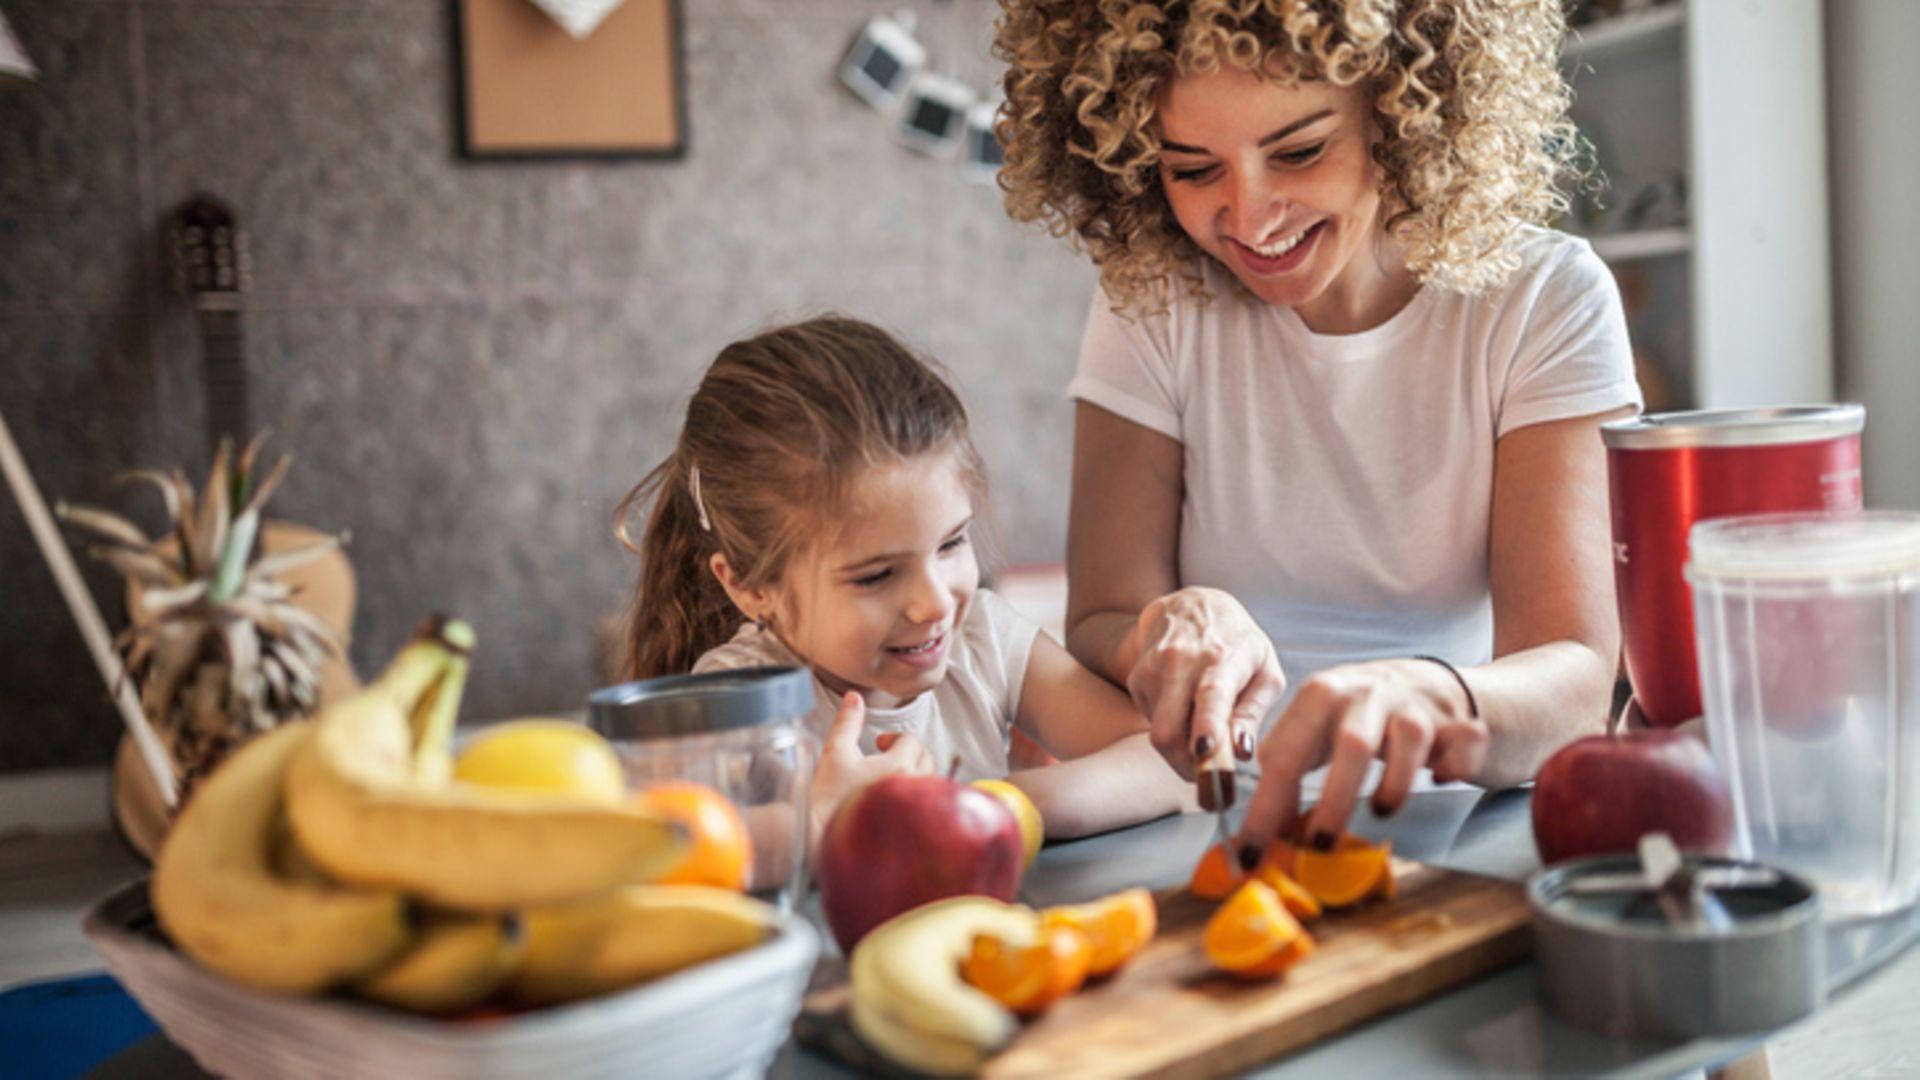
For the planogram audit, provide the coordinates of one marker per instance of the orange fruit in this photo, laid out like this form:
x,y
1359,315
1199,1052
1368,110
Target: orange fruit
x,y
1353,871
1252,934
1118,926
719,851
1029,979
1297,900
1215,876
1289,954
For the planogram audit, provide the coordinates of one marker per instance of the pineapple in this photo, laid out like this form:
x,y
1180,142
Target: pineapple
x,y
217,647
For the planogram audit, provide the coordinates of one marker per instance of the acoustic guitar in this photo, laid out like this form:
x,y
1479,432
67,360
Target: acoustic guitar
x,y
210,264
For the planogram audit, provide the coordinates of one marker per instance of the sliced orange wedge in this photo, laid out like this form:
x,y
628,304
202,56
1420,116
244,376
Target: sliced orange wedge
x,y
1215,876
1252,934
1016,977
1353,871
1117,926
1295,898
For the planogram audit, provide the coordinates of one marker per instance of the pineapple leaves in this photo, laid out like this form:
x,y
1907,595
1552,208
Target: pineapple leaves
x,y
243,658
231,572
149,570
283,561
264,489
213,522
111,526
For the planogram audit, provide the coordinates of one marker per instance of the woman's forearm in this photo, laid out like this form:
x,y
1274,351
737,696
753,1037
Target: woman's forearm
x,y
1535,701
1101,642
1124,784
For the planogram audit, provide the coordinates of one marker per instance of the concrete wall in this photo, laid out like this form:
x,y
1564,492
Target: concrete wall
x,y
1876,233
471,362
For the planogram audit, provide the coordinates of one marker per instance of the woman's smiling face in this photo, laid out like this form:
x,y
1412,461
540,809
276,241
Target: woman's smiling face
x,y
1277,182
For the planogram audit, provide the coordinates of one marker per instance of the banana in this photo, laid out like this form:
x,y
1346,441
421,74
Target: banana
x,y
632,934
458,962
909,1001
219,898
371,804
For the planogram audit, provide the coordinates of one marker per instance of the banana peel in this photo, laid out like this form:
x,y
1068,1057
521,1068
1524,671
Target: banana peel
x,y
909,1001
218,896
457,962
371,805
630,935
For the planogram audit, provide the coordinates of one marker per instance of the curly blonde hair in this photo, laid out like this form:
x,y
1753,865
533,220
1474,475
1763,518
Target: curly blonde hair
x,y
1466,96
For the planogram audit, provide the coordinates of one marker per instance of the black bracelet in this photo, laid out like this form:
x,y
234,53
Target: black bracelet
x,y
1473,707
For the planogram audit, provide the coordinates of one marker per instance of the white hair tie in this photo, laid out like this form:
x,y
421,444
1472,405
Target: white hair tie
x,y
699,504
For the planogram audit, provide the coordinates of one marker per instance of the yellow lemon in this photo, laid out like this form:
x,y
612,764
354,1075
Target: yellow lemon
x,y
543,755
1032,829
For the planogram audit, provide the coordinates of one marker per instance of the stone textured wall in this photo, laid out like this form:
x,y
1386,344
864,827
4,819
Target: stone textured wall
x,y
470,361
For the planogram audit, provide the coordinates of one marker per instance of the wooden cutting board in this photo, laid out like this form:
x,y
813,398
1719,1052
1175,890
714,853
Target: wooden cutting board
x,y
1169,1013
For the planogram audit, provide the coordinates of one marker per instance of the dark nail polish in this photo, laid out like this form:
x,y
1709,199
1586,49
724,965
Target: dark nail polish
x,y
1322,841
1243,744
1249,856
1382,810
1203,746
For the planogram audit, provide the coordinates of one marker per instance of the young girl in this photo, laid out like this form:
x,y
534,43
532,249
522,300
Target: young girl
x,y
819,510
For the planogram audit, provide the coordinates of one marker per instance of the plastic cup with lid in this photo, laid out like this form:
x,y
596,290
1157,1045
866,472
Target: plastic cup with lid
x,y
1808,635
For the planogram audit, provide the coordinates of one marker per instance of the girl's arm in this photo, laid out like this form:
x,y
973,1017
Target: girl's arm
x,y
1114,776
1122,784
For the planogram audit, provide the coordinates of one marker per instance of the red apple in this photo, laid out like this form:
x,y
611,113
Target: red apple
x,y
904,841
1601,794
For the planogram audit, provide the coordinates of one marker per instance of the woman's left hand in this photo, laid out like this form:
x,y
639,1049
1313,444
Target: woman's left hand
x,y
1409,713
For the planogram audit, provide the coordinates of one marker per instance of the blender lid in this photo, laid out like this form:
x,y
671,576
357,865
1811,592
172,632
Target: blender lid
x,y
699,704
1734,427
1800,546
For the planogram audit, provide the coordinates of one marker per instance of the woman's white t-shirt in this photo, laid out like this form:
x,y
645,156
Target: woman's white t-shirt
x,y
968,716
1342,486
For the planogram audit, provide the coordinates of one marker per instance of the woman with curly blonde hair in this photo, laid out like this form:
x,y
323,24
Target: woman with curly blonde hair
x,y
1336,447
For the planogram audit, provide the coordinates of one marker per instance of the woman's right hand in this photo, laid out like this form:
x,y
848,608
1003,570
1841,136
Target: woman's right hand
x,y
843,768
1201,670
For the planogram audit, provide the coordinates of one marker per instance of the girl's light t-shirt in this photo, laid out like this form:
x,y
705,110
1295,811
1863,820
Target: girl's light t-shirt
x,y
968,716
1342,486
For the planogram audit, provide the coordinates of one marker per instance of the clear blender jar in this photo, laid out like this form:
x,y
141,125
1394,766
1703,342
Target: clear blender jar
x,y
741,732
1808,630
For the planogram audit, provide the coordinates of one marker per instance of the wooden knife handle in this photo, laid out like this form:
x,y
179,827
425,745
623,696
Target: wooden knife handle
x,y
1218,764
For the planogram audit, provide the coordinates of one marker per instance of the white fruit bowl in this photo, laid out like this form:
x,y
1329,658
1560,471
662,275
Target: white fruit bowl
x,y
724,1018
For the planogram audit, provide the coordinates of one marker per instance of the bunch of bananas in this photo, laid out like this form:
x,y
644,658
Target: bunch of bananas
x,y
341,853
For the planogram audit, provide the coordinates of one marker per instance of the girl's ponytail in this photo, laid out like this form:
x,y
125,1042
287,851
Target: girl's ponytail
x,y
679,609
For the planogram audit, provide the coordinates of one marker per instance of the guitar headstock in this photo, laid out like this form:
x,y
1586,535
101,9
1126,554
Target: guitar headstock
x,y
209,252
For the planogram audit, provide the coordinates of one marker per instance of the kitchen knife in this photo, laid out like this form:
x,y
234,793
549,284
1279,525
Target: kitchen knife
x,y
1215,781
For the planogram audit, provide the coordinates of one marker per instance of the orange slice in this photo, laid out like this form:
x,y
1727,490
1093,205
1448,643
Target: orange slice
x,y
1118,926
1215,876
1348,874
1028,979
1252,934
1297,900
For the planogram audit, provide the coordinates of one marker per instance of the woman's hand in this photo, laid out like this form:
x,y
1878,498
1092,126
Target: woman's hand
x,y
1409,713
842,768
1202,671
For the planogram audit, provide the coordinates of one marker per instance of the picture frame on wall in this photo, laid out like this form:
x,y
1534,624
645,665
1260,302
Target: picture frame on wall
x,y
527,89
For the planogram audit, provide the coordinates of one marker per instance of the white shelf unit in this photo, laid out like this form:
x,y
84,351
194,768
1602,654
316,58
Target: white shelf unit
x,y
1726,98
